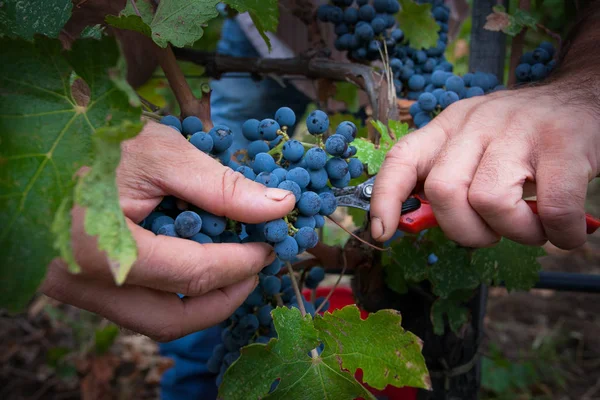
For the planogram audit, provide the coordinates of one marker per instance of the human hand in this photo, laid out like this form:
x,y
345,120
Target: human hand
x,y
477,155
215,278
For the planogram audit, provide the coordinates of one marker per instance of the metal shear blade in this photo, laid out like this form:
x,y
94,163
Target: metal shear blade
x,y
358,196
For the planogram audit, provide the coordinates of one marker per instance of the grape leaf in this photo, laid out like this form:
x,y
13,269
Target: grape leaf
x,y
457,314
53,102
373,155
396,359
418,24
347,346
264,14
24,19
511,24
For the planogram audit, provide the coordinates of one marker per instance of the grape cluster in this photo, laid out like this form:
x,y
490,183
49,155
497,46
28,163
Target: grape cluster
x,y
363,26
537,64
446,88
274,160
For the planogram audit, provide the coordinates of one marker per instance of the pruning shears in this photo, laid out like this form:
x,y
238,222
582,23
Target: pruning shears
x,y
416,214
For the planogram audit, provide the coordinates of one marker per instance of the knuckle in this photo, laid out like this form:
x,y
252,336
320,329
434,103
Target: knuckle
x,y
557,217
230,181
165,333
200,282
440,190
489,203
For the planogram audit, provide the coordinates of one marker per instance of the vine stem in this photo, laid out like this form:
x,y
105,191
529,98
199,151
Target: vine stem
x,y
300,299
516,48
335,285
358,238
152,115
556,36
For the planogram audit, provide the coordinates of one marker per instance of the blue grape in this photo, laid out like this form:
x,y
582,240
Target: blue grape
x,y
317,122
268,128
273,268
420,57
347,130
437,93
319,221
328,203
355,167
323,12
257,147
454,84
397,35
321,300
262,339
432,259
250,321
421,119
366,13
522,72
212,225
285,116
171,120
202,141
271,285
229,237
350,15
247,172
416,82
438,78
482,80
255,298
341,29
336,168
415,108
318,179
309,204
378,24
268,179
280,173
187,224
316,273
287,249
541,55
364,33
292,187
336,15
538,72
225,157
222,138
167,230
315,158
293,150
336,145
448,98
305,221
191,125
467,78
276,230
201,238
427,102
380,5
474,91
341,183
263,162
286,282
168,203
214,362
250,129
300,176
264,313
548,47
159,222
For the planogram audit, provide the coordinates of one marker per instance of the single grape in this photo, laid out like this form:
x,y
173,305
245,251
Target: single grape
x,y
247,172
482,80
171,120
427,102
264,313
341,183
393,7
316,158
341,29
191,125
305,221
438,78
474,91
306,238
280,173
318,179
416,82
378,24
336,168
319,301
187,224
397,35
262,339
548,47
271,285
336,15
292,187
317,274
437,93
347,130
257,147
336,145
268,179
293,150
422,119
273,268
286,282
222,138
414,109
201,238
212,225
364,32
287,249
319,220
300,176
167,230
538,72
366,13
454,84
202,141
250,129
432,259
541,55
159,222
523,72
214,362
285,116
309,204
276,230
229,237
268,128
263,162
323,12
448,98
351,15
317,122
328,203
255,298
355,167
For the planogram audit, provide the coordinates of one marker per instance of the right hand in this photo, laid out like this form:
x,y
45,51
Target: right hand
x,y
215,278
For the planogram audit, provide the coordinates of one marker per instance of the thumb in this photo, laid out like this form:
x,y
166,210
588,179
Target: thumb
x,y
187,173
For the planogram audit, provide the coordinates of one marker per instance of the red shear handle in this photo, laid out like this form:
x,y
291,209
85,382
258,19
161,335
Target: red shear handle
x,y
423,218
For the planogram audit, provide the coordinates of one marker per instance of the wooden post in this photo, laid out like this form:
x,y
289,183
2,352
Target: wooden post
x,y
488,49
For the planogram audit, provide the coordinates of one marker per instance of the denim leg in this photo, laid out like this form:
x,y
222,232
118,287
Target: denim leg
x,y
235,98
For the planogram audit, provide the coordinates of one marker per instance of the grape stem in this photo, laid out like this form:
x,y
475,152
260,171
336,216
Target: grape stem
x,y
300,300
358,238
277,149
151,115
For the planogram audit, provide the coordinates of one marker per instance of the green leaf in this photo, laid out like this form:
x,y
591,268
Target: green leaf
x,y
348,93
288,359
457,314
61,228
418,24
129,19
24,19
373,155
348,344
264,14
524,18
97,191
53,102
394,359
105,337
92,32
179,22
399,129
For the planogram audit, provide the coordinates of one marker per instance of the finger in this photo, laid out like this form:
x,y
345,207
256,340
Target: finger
x,y
160,315
447,186
496,192
178,265
185,172
406,163
561,191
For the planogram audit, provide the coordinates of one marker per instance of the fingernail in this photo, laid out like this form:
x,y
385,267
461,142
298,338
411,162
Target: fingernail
x,y
277,194
376,228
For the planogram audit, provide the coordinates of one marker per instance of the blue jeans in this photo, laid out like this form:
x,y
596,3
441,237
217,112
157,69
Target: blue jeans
x,y
235,98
